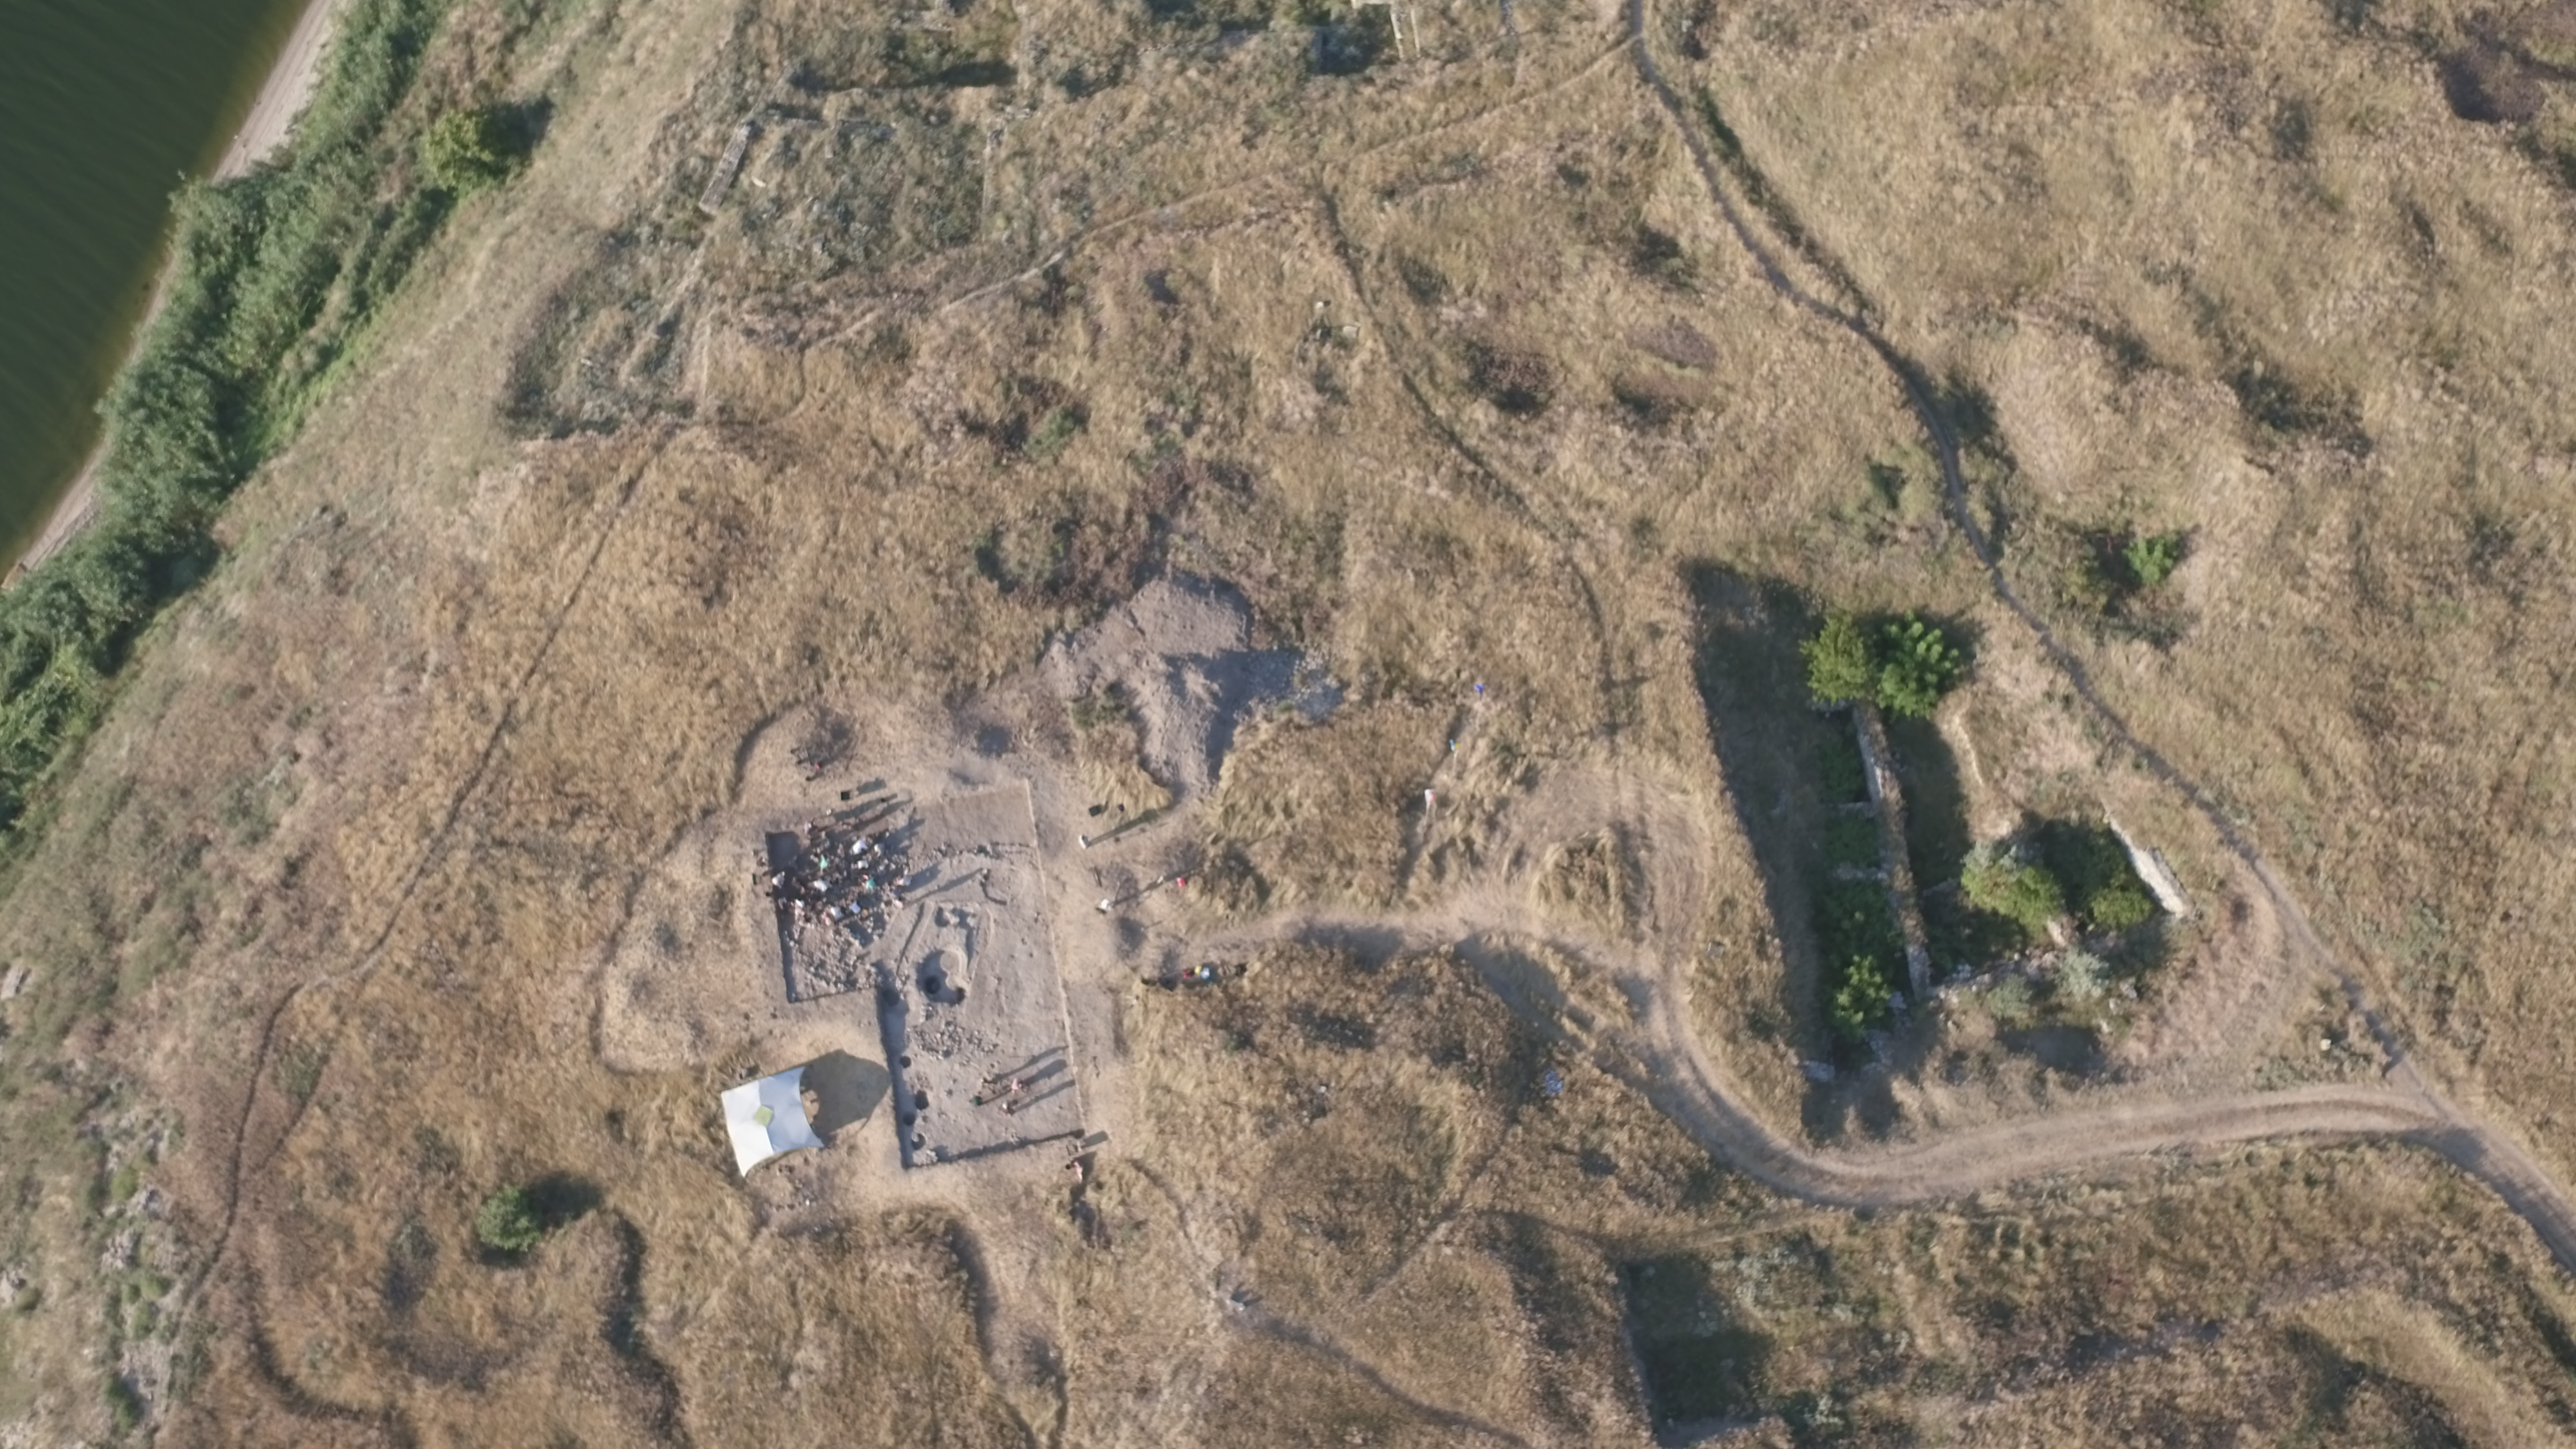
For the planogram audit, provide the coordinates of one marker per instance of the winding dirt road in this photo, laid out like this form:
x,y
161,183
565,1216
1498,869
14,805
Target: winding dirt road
x,y
1659,1054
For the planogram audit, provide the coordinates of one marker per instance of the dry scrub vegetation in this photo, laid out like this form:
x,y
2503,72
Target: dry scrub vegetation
x,y
2272,275
1453,369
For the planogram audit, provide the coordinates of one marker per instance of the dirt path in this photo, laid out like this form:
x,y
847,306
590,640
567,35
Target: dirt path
x,y
2408,1106
1659,1054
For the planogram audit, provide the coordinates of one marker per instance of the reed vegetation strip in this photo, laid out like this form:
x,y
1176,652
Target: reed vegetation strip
x,y
274,275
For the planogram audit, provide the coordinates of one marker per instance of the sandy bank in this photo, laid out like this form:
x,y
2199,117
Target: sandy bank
x,y
282,96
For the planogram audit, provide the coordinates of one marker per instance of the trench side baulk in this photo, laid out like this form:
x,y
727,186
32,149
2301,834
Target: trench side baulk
x,y
1888,799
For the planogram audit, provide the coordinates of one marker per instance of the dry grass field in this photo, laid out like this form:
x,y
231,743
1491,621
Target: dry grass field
x,y
2272,275
408,864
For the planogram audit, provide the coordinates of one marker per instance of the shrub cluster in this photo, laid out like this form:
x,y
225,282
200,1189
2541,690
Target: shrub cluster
x,y
466,150
2068,869
2100,883
1858,937
2118,905
1860,1001
2003,880
2082,977
2008,1001
509,1222
2116,575
1904,666
2152,558
1851,842
272,275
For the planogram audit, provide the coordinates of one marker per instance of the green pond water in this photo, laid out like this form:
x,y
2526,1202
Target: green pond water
x,y
104,106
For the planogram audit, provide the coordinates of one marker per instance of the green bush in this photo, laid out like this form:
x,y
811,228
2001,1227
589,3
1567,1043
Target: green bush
x,y
509,1222
124,1405
1840,665
1905,670
2094,867
2082,977
2117,907
2008,1001
2000,879
1840,776
470,149
1860,1000
1917,665
1852,841
230,362
1852,919
2152,558
1857,935
1051,434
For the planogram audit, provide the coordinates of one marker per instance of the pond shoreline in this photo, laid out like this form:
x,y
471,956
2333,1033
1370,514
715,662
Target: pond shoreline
x,y
264,128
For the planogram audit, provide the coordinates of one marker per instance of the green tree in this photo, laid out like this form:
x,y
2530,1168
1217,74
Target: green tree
x,y
1860,1002
509,1221
2002,880
469,149
1917,665
2153,557
1840,668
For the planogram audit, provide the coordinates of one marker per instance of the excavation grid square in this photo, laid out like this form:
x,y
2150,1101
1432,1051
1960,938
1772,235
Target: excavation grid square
x,y
968,998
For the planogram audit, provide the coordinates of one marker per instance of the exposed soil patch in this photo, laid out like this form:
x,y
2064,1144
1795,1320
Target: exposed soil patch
x,y
1180,656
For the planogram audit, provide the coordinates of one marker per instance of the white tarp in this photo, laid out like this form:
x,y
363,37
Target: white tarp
x,y
767,1117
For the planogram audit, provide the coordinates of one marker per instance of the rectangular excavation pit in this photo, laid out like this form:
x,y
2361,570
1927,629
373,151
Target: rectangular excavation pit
x,y
830,879
967,994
